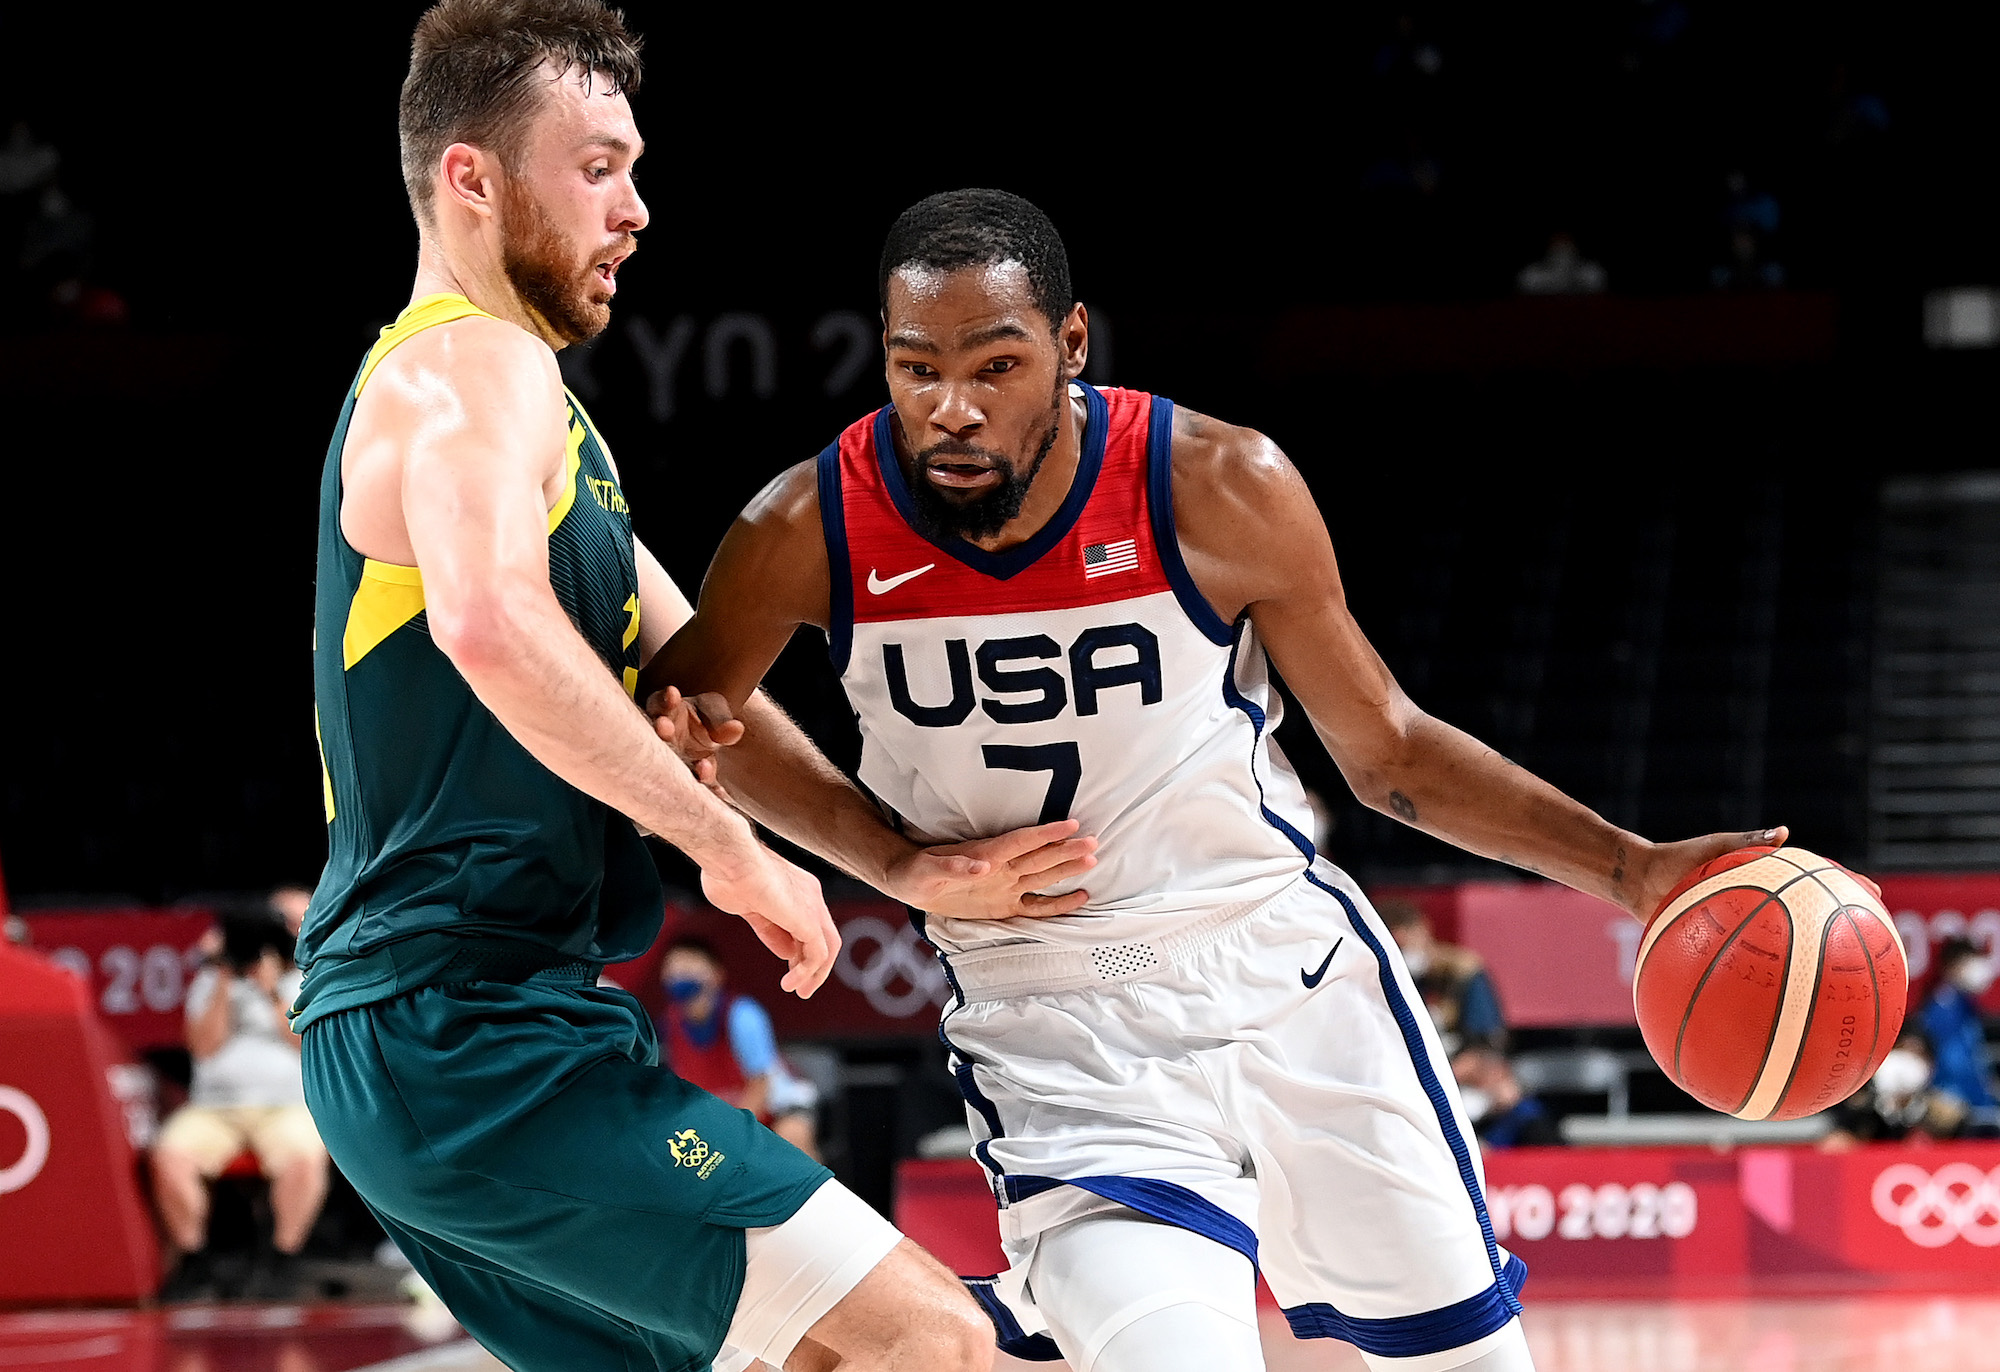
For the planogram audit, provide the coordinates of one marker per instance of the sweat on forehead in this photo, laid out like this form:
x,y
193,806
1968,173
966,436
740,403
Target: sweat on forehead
x,y
981,228
993,301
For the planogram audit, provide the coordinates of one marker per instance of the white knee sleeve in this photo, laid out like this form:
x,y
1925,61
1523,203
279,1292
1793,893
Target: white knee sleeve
x,y
1504,1350
1122,1293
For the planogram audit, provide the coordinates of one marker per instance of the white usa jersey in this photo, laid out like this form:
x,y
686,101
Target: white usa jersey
x,y
1080,674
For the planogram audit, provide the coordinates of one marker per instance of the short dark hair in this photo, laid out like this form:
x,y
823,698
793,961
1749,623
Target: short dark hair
x,y
694,943
472,75
980,228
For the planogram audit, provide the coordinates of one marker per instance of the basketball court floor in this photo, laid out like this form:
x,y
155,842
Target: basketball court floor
x,y
1850,1334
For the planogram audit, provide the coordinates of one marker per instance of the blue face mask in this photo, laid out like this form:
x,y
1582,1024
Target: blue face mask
x,y
685,989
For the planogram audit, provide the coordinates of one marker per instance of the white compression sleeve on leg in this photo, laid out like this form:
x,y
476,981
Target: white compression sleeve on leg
x,y
1123,1293
1504,1350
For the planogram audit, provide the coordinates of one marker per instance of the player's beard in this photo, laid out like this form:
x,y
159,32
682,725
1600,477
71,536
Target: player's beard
x,y
542,268
985,515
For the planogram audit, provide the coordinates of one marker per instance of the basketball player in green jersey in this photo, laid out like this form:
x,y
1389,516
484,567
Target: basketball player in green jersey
x,y
482,615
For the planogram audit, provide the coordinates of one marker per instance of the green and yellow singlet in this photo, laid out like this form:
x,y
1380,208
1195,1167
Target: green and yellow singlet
x,y
450,848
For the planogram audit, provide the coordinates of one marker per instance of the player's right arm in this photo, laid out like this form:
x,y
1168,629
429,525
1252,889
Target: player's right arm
x,y
475,413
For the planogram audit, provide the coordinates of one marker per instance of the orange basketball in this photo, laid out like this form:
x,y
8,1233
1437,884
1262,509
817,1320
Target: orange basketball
x,y
1771,984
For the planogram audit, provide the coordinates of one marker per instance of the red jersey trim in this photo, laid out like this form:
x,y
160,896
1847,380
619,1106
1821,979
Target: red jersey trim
x,y
1099,548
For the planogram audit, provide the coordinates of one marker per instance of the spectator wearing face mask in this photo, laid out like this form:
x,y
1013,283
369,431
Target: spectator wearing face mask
x,y
1898,1103
723,1043
1951,1023
1453,981
1502,1114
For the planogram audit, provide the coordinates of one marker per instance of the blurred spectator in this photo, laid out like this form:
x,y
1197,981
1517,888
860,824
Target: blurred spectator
x,y
50,241
1899,1102
1502,1114
1452,980
1957,1036
723,1043
1562,270
25,161
1408,55
247,1094
290,903
1751,220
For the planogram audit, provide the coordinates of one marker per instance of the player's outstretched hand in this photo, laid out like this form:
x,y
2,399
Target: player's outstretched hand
x,y
996,878
786,909
1666,864
696,727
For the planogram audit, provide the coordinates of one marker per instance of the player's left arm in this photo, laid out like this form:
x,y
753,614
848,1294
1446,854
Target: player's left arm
x,y
1255,543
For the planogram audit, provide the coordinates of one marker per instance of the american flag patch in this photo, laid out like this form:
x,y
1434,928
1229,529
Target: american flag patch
x,y
1102,559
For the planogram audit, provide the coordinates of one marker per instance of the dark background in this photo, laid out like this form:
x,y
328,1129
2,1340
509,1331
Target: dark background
x,y
1625,538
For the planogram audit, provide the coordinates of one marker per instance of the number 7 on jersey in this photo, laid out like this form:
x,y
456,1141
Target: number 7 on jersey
x,y
1060,760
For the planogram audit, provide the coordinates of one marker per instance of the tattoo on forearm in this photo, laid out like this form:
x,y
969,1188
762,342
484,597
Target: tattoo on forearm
x,y
1405,808
1618,871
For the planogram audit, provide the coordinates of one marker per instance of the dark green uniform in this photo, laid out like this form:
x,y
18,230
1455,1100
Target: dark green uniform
x,y
575,1204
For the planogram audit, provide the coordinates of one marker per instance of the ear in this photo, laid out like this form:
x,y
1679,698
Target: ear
x,y
1074,340
469,176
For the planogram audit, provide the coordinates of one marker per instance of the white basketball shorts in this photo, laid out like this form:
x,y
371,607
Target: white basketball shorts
x,y
1268,1079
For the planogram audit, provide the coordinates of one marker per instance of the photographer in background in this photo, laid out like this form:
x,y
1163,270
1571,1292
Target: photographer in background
x,y
1453,981
247,1094
1899,1104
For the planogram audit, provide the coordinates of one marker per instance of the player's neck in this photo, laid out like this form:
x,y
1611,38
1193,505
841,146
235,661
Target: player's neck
x,y
478,277
1050,488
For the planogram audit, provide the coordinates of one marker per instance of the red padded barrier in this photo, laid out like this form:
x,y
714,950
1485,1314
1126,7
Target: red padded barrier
x,y
73,1226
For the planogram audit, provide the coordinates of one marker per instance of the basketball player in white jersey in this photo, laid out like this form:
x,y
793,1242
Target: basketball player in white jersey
x,y
1047,600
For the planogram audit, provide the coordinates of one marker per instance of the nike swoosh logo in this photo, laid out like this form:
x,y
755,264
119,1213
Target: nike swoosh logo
x,y
882,586
1312,979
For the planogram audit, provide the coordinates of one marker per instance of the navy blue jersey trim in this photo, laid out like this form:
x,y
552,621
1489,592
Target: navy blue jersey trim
x,y
1236,700
1163,1200
1160,502
1406,1022
840,575
1018,559
1007,1331
961,1066
1409,1336
1413,1041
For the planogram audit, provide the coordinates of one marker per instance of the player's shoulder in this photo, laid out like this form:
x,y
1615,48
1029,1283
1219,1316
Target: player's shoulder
x,y
1215,460
478,356
789,500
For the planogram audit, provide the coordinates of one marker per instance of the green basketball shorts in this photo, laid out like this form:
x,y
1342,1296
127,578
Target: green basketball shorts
x,y
575,1205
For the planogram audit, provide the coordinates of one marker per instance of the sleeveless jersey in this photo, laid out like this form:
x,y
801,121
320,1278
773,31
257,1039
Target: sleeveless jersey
x,y
1079,674
446,838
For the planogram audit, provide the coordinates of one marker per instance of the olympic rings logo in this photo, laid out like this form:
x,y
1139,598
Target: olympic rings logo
x,y
24,1169
1959,1202
896,975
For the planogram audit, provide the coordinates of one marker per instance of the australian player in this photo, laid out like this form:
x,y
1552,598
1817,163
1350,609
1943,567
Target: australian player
x,y
483,614
1049,600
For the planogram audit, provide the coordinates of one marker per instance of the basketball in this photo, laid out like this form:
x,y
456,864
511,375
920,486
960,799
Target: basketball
x,y
1771,984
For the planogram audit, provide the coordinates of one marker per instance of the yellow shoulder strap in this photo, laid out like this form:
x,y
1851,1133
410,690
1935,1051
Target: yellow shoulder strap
x,y
425,313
